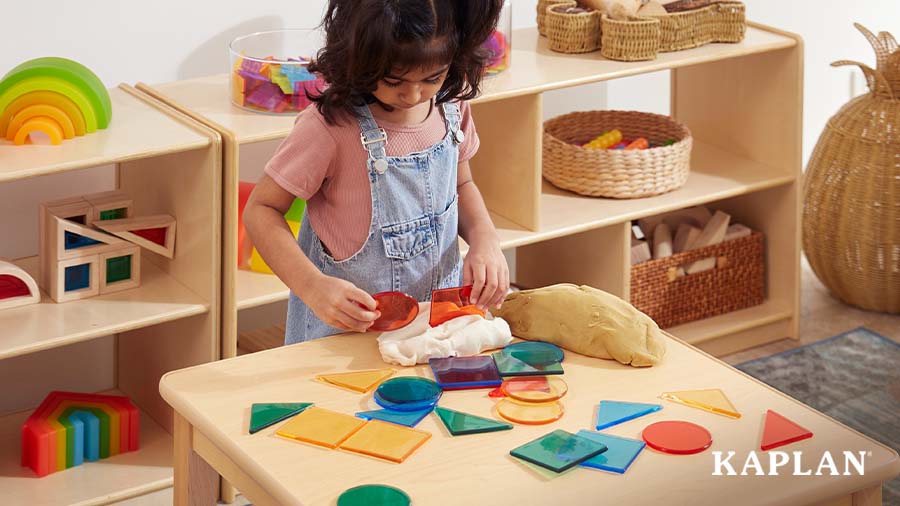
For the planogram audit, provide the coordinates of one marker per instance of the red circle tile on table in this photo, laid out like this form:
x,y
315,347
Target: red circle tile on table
x,y
397,311
677,437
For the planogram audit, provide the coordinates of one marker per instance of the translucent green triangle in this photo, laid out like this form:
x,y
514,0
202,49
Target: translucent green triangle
x,y
264,415
460,424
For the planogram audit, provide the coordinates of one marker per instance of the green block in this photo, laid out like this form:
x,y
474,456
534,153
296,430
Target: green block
x,y
460,424
114,214
118,269
70,441
264,415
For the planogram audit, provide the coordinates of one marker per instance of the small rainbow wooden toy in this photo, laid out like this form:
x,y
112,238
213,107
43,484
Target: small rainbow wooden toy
x,y
69,428
56,96
17,287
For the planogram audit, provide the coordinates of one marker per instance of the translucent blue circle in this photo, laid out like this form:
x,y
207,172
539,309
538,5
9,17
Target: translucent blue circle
x,y
537,353
405,406
408,393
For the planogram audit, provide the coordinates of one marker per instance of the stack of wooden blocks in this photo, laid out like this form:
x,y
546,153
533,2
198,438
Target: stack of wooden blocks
x,y
91,245
695,227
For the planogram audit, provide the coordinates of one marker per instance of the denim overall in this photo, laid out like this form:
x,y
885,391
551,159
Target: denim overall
x,y
412,245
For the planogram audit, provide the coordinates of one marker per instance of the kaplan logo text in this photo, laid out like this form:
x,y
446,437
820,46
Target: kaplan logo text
x,y
774,462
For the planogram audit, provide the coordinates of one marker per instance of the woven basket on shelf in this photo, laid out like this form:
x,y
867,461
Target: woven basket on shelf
x,y
718,22
737,282
633,40
572,33
615,173
639,39
542,6
851,190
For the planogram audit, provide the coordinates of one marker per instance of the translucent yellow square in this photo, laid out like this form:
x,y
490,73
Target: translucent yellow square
x,y
386,441
320,427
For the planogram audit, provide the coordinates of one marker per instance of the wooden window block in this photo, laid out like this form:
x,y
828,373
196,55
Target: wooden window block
x,y
60,230
113,259
105,205
153,233
69,208
17,287
57,290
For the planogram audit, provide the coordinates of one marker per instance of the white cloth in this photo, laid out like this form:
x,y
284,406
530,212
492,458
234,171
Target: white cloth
x,y
459,337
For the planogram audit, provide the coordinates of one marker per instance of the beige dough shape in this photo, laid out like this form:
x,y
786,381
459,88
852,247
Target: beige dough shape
x,y
585,320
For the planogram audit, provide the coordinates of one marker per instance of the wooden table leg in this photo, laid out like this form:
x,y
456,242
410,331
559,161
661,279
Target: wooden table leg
x,y
196,483
868,496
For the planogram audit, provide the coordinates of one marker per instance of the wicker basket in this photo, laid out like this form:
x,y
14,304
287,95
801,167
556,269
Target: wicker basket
x,y
572,33
737,282
851,191
542,6
615,173
633,40
642,38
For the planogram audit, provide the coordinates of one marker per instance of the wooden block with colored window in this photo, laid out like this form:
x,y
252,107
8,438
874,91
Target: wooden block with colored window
x,y
153,233
120,269
111,205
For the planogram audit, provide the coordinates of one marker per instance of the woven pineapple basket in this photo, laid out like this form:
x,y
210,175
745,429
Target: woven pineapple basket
x,y
616,173
851,191
736,282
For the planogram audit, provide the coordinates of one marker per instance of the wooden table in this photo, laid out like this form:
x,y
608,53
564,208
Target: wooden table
x,y
212,405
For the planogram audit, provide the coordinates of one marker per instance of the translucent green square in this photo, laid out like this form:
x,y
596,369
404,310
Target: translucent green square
x,y
509,365
558,450
118,269
114,214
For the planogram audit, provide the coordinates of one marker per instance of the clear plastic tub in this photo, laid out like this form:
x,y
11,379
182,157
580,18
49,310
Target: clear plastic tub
x,y
269,71
499,44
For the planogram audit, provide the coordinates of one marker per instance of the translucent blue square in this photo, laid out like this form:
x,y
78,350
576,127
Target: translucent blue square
x,y
620,452
77,277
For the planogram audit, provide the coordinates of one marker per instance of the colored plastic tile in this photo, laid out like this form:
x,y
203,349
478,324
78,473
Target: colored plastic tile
x,y
385,441
397,311
450,303
497,393
779,431
511,366
77,277
370,495
75,241
558,450
535,353
712,400
154,235
405,418
619,455
461,424
114,214
611,413
677,437
358,381
408,393
530,413
320,427
266,415
535,388
456,373
118,269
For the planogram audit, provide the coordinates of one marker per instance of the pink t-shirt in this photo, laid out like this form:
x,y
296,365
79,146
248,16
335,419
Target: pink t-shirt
x,y
326,165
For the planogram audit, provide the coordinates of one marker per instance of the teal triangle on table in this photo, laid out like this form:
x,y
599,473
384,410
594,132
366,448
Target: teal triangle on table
x,y
620,452
263,415
406,418
460,424
611,413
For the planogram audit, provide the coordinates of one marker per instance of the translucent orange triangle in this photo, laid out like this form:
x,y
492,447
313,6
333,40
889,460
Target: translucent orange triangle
x,y
712,400
358,381
779,431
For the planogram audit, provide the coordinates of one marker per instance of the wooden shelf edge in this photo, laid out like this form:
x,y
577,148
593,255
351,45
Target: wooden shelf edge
x,y
730,323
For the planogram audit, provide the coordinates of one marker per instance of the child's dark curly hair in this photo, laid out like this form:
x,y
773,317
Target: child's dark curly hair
x,y
368,39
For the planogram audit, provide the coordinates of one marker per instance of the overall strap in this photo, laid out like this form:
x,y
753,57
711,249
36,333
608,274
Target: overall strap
x,y
373,139
453,118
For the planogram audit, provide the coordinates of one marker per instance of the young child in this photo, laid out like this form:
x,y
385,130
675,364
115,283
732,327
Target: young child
x,y
383,162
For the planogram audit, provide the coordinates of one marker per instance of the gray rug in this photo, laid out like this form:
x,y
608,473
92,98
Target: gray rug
x,y
853,377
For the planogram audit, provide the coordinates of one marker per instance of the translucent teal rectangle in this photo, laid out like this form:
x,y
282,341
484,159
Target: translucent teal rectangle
x,y
559,450
619,456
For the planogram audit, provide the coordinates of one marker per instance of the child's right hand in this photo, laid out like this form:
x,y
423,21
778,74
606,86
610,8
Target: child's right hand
x,y
338,303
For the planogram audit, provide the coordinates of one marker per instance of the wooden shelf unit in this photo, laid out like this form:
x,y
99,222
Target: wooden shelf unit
x,y
167,163
743,103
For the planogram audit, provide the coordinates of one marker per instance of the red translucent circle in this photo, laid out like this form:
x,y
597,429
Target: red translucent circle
x,y
397,311
677,437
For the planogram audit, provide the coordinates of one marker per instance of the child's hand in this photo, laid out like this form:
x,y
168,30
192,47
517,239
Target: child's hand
x,y
485,269
339,303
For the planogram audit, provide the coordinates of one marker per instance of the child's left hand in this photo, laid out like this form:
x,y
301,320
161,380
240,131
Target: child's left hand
x,y
485,269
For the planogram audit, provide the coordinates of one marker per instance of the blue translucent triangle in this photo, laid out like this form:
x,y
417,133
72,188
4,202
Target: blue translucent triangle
x,y
611,413
407,418
620,452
